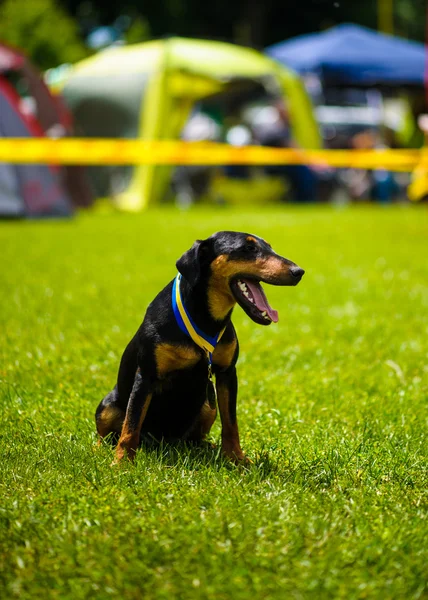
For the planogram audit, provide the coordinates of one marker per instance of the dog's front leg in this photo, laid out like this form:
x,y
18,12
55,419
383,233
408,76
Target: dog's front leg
x,y
227,390
138,405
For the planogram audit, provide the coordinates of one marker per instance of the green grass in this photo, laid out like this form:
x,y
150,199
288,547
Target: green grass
x,y
332,410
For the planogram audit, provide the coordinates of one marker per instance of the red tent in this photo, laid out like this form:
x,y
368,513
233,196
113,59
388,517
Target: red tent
x,y
28,109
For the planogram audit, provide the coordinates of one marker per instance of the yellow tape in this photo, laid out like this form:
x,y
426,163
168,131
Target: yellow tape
x,y
86,151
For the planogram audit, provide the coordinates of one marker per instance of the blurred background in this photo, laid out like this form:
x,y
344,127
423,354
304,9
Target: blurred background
x,y
320,74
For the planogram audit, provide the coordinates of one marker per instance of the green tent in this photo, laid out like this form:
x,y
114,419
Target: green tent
x,y
148,90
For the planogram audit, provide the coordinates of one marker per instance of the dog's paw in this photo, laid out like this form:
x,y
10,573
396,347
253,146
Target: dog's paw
x,y
123,454
235,454
241,461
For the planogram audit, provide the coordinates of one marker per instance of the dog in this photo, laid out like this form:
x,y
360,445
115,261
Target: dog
x,y
165,385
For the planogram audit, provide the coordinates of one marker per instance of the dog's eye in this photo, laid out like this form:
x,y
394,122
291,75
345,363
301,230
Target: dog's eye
x,y
250,247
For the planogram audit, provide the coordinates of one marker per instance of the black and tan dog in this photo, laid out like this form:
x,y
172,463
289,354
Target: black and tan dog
x,y
163,386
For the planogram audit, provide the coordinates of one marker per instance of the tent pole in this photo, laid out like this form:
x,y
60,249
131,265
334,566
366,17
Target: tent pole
x,y
385,16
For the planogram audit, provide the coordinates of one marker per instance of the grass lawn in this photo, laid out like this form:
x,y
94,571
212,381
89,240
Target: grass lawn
x,y
332,411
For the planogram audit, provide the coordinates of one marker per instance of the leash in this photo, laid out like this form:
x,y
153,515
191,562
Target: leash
x,y
201,339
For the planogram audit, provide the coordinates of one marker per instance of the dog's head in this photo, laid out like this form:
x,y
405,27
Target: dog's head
x,y
231,266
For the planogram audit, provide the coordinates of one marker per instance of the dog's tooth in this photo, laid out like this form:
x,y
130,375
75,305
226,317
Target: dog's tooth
x,y
264,313
246,294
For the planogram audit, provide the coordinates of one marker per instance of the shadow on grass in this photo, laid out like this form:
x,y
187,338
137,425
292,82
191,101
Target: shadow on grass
x,y
178,453
208,455
331,468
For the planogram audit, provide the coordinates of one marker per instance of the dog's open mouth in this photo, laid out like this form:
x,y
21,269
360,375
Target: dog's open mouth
x,y
251,297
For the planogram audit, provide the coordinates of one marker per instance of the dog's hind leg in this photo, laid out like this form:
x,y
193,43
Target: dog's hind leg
x,y
111,411
109,416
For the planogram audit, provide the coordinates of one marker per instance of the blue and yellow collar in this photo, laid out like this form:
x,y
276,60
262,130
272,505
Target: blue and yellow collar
x,y
186,324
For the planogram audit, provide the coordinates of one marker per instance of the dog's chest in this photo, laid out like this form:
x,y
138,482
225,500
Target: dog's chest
x,y
175,357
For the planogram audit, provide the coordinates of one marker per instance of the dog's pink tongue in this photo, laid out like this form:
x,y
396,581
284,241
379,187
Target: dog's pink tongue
x,y
261,301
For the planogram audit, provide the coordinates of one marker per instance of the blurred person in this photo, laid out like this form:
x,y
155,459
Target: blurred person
x,y
190,183
417,190
376,184
272,128
238,135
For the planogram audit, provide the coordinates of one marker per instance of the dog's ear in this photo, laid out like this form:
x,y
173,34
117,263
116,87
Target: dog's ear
x,y
190,264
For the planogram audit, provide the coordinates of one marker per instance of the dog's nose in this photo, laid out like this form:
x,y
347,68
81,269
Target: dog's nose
x,y
297,272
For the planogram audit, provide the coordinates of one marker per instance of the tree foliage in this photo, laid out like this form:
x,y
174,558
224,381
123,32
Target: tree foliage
x,y
50,35
258,22
139,31
43,29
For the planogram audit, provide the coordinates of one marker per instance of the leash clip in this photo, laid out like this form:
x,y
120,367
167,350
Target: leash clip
x,y
211,389
210,370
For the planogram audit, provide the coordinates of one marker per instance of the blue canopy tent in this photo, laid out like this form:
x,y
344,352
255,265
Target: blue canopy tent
x,y
353,55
